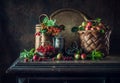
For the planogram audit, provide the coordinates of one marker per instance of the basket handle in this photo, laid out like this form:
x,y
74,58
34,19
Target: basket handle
x,y
85,16
42,16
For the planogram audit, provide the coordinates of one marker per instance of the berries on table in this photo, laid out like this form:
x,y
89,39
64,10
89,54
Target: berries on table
x,y
67,58
26,59
77,56
59,56
35,57
83,56
40,59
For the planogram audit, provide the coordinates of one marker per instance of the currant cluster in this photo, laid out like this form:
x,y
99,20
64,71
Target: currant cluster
x,y
46,49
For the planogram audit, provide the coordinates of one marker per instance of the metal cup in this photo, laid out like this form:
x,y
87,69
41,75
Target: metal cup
x,y
58,43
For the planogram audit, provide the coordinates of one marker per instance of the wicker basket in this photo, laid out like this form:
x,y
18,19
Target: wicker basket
x,y
41,39
94,40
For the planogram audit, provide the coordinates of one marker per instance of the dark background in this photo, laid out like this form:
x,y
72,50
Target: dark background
x,y
19,17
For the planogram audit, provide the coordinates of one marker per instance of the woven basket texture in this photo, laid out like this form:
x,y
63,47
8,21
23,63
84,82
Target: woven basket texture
x,y
94,40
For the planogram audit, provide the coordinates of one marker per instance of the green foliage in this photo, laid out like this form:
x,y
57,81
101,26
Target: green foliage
x,y
81,28
74,29
98,20
102,31
48,22
78,51
43,30
27,54
96,55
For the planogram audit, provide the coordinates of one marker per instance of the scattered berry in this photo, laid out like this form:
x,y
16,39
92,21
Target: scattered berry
x,y
83,56
40,59
35,57
59,56
53,59
26,60
77,56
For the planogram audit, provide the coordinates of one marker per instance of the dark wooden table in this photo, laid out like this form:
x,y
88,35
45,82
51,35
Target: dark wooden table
x,y
84,71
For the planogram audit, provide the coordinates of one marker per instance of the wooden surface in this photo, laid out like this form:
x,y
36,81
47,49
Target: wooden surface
x,y
108,66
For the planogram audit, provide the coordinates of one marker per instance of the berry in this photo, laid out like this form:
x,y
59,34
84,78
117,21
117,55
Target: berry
x,y
59,56
87,28
83,24
83,56
70,58
40,59
89,24
26,60
35,57
93,28
53,59
65,58
77,56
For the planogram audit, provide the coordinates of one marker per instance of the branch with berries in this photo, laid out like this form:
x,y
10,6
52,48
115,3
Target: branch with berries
x,y
50,27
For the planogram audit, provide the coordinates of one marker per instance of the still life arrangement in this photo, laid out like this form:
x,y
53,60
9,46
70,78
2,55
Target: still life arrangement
x,y
49,44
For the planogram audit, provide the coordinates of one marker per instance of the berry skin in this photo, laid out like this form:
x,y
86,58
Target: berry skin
x,y
59,56
89,24
35,57
65,58
40,59
87,28
70,58
83,56
53,59
77,56
26,60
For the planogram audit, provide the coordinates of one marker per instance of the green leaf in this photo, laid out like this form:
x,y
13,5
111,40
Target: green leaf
x,y
32,50
98,20
96,55
93,52
94,23
78,51
45,20
43,31
23,55
25,50
74,29
102,31
27,54
81,28
50,23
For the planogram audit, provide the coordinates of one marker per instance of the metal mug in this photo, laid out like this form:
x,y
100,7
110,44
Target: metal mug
x,y
58,43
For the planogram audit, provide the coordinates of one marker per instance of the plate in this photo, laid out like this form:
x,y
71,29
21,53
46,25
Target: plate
x,y
69,18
